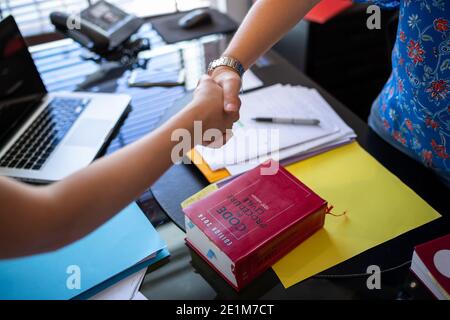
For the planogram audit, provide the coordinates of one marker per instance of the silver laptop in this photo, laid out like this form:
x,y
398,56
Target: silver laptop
x,y
45,137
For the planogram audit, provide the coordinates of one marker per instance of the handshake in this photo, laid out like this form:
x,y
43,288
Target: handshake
x,y
216,105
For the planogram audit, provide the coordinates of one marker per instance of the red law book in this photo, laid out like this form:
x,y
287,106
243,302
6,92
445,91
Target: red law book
x,y
243,228
431,264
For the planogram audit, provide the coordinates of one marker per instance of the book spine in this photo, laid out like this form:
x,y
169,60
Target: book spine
x,y
205,259
265,256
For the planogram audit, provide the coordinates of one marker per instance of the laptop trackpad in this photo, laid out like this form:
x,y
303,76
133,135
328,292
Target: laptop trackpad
x,y
89,133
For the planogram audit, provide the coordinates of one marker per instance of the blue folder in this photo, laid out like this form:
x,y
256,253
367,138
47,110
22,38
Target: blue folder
x,y
125,244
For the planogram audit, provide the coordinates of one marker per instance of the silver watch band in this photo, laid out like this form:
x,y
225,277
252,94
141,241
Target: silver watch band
x,y
227,62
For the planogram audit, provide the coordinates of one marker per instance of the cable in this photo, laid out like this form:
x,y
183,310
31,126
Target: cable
x,y
358,275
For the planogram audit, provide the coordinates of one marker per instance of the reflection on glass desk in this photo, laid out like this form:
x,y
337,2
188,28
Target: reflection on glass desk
x,y
185,275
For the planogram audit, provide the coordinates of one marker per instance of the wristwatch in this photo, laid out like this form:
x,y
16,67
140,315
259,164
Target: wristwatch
x,y
229,62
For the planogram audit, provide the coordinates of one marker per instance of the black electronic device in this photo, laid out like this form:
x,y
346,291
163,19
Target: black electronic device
x,y
102,27
195,18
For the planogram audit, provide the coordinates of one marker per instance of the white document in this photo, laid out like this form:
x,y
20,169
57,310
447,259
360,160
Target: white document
x,y
250,81
345,134
253,139
139,296
242,167
125,289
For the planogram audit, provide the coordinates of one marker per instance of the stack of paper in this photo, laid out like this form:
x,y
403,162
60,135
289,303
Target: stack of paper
x,y
126,289
254,142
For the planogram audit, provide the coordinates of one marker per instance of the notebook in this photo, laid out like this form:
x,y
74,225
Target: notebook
x,y
327,9
431,264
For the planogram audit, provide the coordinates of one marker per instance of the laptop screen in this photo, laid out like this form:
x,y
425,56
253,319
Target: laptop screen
x,y
21,87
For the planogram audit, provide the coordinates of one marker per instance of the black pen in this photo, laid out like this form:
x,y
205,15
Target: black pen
x,y
146,84
309,122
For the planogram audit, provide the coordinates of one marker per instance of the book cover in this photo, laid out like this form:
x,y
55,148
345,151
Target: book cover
x,y
431,264
251,222
327,9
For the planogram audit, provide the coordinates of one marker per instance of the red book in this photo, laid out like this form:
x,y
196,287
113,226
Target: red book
x,y
327,9
243,228
431,264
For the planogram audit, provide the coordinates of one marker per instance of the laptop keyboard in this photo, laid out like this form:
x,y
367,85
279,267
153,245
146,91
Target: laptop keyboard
x,y
39,140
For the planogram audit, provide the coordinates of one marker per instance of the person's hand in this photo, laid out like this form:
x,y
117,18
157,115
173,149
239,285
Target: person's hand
x,y
231,83
207,107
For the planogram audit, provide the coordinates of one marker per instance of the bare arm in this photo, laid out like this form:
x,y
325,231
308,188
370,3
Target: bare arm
x,y
264,25
39,219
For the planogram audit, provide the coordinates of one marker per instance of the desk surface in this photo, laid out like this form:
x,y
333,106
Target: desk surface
x,y
185,275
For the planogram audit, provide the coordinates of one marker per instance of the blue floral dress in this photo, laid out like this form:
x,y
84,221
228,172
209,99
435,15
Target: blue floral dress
x,y
413,110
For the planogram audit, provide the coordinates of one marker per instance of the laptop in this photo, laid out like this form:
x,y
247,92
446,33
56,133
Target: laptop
x,y
45,137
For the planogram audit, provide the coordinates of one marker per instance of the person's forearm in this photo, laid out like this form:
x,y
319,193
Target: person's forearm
x,y
88,198
264,25
129,172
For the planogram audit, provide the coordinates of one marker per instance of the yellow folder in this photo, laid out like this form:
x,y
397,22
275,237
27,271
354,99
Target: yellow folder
x,y
378,207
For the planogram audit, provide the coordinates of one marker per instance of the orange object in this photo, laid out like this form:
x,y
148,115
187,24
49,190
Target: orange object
x,y
210,175
327,9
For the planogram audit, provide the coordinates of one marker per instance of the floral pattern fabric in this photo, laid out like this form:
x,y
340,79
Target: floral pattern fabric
x,y
414,105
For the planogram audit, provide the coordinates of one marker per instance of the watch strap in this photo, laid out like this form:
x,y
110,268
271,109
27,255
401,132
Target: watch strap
x,y
229,62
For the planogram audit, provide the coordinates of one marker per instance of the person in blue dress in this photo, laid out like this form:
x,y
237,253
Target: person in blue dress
x,y
413,110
